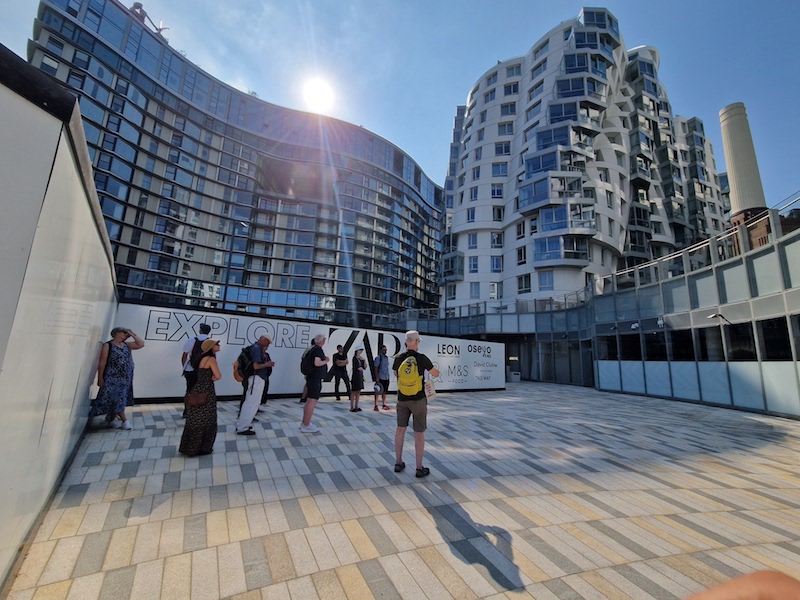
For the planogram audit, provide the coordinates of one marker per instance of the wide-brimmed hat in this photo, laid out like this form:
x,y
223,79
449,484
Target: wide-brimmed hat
x,y
208,345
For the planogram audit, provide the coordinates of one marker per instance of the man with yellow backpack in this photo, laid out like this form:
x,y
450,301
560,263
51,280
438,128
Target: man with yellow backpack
x,y
409,367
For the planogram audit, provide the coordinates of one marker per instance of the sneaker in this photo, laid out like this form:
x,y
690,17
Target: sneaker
x,y
113,424
126,425
246,432
423,472
310,428
358,410
399,467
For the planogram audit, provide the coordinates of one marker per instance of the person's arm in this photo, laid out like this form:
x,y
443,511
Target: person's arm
x,y
137,341
184,356
434,372
318,362
375,367
101,366
257,355
762,585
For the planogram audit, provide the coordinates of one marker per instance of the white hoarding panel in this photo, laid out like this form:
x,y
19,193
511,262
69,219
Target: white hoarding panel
x,y
464,364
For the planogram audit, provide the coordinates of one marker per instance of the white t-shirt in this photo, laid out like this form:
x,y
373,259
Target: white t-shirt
x,y
187,347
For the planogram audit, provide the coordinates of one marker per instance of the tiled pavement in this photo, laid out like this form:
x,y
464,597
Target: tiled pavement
x,y
540,491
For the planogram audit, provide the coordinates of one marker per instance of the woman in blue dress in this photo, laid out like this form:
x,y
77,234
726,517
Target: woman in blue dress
x,y
115,377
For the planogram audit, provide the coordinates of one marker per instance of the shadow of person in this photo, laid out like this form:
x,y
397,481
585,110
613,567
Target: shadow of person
x,y
487,548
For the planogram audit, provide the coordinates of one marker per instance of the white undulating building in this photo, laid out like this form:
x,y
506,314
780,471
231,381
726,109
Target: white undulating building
x,y
568,163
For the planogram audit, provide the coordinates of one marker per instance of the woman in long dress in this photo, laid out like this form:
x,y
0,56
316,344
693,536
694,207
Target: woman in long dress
x,y
200,430
115,377
357,380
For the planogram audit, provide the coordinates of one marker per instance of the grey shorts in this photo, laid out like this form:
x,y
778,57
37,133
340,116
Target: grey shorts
x,y
418,408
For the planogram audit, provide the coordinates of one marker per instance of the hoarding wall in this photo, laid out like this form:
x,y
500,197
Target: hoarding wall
x,y
464,364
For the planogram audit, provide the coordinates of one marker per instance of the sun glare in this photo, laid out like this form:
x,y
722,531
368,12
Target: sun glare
x,y
318,95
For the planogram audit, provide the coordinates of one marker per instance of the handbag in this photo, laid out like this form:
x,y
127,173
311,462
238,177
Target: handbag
x,y
193,399
430,390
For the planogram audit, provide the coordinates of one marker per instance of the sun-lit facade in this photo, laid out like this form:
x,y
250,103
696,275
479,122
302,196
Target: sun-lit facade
x,y
214,198
567,164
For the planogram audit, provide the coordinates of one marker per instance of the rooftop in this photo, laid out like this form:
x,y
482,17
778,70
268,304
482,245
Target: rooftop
x,y
560,491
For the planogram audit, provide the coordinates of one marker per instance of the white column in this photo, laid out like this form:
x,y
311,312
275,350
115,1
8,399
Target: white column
x,y
740,157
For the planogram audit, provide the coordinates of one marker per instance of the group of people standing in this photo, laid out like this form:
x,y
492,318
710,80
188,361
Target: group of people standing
x,y
200,370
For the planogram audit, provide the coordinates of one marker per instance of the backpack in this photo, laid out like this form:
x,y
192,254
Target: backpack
x,y
196,354
409,378
306,366
244,364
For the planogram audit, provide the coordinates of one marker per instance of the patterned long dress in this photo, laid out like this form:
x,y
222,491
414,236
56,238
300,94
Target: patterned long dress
x,y
117,391
200,430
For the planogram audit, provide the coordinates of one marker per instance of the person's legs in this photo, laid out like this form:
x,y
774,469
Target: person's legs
x,y
308,411
255,385
399,437
419,446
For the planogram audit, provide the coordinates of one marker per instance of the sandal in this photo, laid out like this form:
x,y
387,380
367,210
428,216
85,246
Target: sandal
x,y
386,407
376,407
400,467
423,471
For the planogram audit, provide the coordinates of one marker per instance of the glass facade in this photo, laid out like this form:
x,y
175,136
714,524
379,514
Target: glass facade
x,y
216,199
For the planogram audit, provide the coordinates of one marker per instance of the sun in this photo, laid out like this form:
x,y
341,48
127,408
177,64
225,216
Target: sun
x,y
318,95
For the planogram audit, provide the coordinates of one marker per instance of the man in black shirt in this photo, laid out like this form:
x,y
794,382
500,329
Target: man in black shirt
x,y
340,363
413,366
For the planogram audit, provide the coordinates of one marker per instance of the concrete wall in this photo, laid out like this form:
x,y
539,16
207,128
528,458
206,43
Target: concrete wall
x,y
57,301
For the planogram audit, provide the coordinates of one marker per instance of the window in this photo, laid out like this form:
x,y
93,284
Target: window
x,y
496,290
539,69
520,230
610,199
522,255
545,280
49,66
563,112
451,291
541,50
470,215
508,109
483,116
502,149
473,193
576,63
505,129
496,264
473,264
511,88
536,90
533,111
497,190
497,239
476,173
472,238
480,135
514,71
489,96
491,79
55,46
585,39
570,87
524,284
544,162
500,169
498,213
474,290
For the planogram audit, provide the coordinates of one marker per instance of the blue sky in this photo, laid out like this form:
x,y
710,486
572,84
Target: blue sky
x,y
400,68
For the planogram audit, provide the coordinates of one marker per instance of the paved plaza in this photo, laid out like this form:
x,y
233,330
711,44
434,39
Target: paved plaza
x,y
539,491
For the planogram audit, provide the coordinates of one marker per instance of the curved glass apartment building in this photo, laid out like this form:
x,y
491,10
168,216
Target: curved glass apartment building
x,y
214,198
567,164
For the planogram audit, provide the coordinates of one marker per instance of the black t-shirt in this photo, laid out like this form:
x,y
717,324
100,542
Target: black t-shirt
x,y
336,369
423,362
317,372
